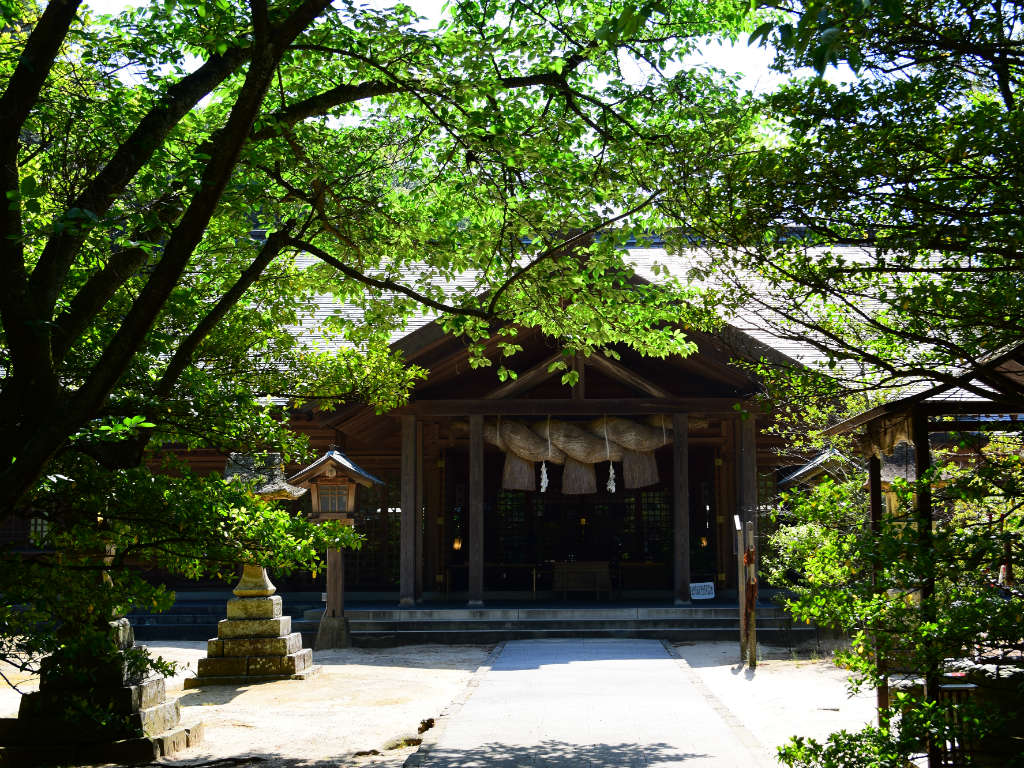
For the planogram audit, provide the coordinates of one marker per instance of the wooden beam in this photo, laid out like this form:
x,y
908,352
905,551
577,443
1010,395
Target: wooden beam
x,y
476,510
967,424
526,380
718,406
407,532
621,373
680,509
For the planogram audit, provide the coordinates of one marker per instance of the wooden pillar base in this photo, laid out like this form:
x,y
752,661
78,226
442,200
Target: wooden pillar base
x,y
332,633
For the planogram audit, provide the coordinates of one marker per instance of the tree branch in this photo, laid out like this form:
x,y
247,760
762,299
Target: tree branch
x,y
186,349
566,245
385,284
129,157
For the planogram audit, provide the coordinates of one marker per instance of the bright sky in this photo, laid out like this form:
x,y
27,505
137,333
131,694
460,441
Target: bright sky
x,y
751,62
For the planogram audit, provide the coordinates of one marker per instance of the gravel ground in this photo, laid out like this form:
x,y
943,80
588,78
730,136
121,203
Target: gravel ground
x,y
369,701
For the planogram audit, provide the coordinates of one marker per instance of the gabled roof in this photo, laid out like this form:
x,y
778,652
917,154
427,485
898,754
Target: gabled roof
x,y
335,459
992,387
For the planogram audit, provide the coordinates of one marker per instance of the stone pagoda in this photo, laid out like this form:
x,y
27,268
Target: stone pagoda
x,y
255,643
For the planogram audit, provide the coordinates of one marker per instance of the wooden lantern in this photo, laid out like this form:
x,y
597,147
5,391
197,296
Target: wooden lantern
x,y
332,481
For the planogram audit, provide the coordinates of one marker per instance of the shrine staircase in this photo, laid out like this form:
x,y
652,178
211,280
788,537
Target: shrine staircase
x,y
379,628
383,624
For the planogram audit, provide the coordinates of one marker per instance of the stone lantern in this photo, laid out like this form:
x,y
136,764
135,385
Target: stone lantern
x,y
332,481
255,642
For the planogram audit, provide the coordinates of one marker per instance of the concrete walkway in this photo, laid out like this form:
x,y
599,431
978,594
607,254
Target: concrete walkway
x,y
595,703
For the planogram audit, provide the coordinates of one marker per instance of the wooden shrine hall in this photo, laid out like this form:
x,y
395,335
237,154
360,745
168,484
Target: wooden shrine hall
x,y
623,486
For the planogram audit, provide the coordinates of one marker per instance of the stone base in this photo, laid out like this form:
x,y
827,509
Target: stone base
x,y
332,633
200,682
285,664
32,749
255,643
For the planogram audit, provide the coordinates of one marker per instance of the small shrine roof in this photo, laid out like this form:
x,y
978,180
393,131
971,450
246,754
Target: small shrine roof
x,y
338,460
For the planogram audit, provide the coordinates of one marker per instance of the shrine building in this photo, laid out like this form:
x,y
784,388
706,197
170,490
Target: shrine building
x,y
622,487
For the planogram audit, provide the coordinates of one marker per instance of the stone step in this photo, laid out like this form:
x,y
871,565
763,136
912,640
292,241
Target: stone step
x,y
581,624
521,614
780,637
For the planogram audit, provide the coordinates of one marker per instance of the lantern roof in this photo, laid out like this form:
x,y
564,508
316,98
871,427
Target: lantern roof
x,y
340,464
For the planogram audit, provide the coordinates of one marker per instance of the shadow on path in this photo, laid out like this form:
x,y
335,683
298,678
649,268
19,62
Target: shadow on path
x,y
557,754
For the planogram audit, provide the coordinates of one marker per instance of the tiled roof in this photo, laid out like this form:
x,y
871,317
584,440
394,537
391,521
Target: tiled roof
x,y
647,262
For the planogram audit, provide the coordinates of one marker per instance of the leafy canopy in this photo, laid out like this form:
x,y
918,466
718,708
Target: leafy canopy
x,y
188,185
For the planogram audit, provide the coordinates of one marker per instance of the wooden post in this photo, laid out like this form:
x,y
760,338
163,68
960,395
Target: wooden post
x,y
741,586
748,471
476,510
335,584
579,390
418,581
432,489
875,500
926,557
750,560
681,508
407,534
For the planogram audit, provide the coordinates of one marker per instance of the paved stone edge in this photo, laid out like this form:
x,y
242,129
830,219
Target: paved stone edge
x,y
431,737
756,749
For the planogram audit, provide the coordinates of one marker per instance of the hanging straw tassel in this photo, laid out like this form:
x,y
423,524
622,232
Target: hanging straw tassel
x,y
578,478
639,470
544,464
611,467
518,474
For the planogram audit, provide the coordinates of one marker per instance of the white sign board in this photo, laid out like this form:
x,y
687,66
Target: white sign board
x,y
323,597
702,590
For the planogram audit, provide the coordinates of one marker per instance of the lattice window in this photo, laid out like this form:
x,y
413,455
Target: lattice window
x,y
333,498
377,516
656,519
512,527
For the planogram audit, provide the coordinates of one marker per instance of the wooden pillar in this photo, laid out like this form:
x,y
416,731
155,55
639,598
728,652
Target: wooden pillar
x,y
335,583
579,389
433,504
749,469
875,500
407,534
418,581
476,510
681,508
926,558
747,460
